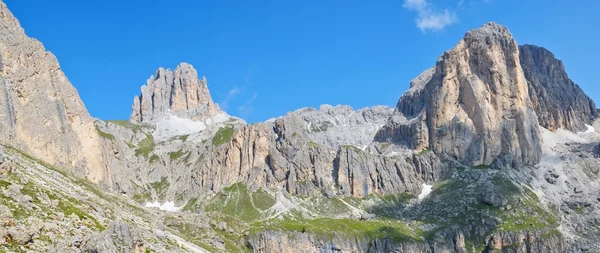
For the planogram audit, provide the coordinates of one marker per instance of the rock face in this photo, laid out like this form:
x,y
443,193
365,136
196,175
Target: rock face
x,y
474,107
178,92
525,242
40,111
119,237
558,102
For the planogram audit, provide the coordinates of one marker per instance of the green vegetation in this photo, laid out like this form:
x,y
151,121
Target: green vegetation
x,y
68,209
184,137
385,146
262,200
142,197
222,136
176,155
161,186
481,166
126,124
105,135
237,201
313,144
422,152
154,158
190,205
145,146
345,228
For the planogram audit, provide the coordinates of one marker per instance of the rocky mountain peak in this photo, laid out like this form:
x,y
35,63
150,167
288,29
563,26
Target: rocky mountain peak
x,y
40,111
178,93
473,107
558,101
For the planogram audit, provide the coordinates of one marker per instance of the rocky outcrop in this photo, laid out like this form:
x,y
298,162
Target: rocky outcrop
x,y
119,237
474,107
290,242
527,241
358,173
523,242
178,93
558,102
40,111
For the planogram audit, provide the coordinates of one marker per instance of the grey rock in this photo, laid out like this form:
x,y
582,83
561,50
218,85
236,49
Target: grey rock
x,y
20,235
463,112
222,226
33,87
178,92
367,216
494,199
119,237
558,101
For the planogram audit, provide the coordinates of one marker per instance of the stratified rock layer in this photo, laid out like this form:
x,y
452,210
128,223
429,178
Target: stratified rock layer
x,y
474,107
40,111
178,93
558,102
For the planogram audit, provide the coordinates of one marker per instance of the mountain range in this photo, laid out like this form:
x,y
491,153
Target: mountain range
x,y
492,149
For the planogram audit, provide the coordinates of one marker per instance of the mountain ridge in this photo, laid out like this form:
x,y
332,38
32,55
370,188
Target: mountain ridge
x,y
466,139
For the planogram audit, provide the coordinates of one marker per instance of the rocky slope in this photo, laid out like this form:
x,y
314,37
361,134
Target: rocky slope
x,y
462,164
558,102
41,111
474,107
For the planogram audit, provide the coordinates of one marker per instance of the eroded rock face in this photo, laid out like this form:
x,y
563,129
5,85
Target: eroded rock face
x,y
558,102
119,237
40,111
474,107
178,92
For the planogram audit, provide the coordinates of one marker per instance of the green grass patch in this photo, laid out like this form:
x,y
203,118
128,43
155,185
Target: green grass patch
x,y
142,197
422,152
190,205
343,228
161,185
145,146
105,135
222,136
237,201
184,137
154,158
126,124
313,144
262,200
176,155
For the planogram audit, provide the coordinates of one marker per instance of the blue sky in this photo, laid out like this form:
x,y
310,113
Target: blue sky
x,y
267,57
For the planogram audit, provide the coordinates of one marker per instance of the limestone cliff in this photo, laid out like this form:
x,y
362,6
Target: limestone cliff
x,y
558,102
178,92
40,111
474,107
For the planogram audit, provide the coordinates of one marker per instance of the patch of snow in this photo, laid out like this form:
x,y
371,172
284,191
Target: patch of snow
x,y
426,191
590,129
589,134
174,126
167,206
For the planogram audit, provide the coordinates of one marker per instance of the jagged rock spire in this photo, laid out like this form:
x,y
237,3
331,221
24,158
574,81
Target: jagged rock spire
x,y
178,92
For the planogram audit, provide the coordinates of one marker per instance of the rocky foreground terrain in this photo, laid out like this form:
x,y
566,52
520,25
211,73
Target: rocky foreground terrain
x,y
493,149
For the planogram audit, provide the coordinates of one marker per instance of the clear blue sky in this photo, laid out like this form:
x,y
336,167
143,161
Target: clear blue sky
x,y
264,58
